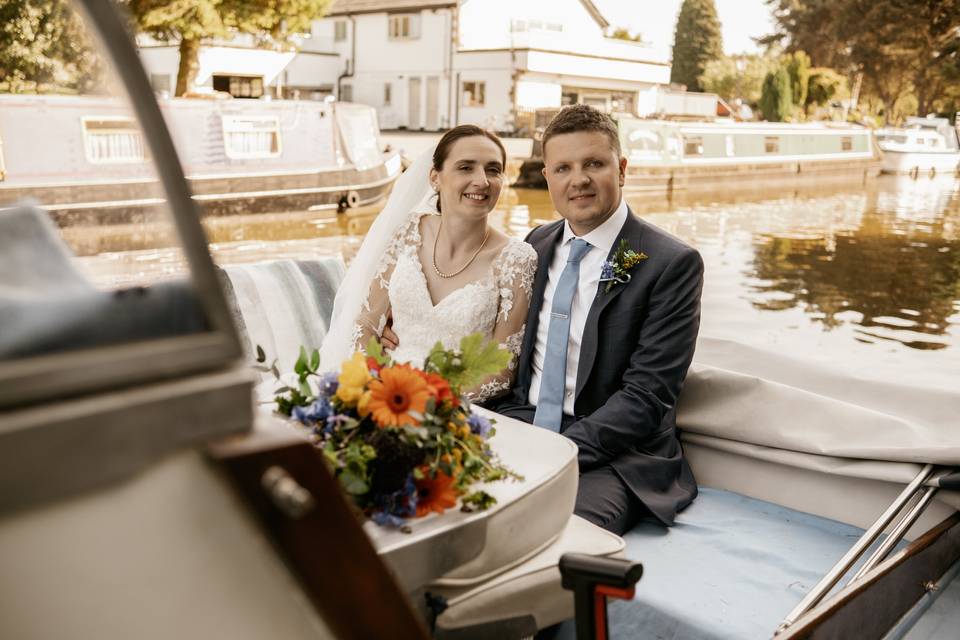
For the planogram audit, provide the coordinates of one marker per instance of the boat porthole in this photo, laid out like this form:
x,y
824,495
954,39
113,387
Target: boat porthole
x,y
933,172
353,199
915,172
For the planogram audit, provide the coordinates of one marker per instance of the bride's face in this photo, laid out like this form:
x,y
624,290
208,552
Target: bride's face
x,y
471,178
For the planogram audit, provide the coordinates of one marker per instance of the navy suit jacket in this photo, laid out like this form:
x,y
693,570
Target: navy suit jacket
x,y
637,345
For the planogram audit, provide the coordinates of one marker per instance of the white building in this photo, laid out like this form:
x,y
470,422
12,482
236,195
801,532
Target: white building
x,y
432,64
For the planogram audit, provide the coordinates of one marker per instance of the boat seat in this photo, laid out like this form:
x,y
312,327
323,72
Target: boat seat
x,y
731,568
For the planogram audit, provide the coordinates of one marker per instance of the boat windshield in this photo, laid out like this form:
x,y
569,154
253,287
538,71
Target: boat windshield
x,y
78,170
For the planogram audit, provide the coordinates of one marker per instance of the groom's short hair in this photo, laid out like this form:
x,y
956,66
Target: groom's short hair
x,y
582,117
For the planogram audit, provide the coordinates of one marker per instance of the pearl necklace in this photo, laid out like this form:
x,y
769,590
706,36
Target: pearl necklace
x,y
469,262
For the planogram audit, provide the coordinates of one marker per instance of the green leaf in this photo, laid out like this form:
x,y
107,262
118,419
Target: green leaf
x,y
352,483
375,351
315,360
261,356
304,387
301,365
478,501
481,358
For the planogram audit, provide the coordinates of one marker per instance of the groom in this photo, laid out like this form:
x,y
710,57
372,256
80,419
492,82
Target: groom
x,y
603,360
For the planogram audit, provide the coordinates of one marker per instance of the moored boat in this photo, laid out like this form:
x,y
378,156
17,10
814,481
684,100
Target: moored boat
x,y
238,155
665,156
923,147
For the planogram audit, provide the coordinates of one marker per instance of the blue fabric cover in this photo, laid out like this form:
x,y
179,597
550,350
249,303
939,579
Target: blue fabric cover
x,y
731,567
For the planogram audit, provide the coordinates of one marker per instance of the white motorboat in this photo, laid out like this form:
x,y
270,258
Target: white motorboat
x,y
923,147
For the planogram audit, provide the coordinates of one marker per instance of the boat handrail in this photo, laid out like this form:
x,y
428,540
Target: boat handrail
x,y
833,576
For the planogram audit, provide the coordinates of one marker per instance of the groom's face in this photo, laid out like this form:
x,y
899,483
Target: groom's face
x,y
585,175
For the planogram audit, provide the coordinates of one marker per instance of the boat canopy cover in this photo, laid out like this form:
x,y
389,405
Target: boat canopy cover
x,y
738,392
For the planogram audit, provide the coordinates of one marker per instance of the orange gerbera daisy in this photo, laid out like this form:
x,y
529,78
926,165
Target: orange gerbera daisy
x,y
435,494
398,392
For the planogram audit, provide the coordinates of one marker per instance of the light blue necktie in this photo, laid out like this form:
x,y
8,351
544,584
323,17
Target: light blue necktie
x,y
550,403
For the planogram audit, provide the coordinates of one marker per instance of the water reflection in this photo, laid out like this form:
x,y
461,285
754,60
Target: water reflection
x,y
896,274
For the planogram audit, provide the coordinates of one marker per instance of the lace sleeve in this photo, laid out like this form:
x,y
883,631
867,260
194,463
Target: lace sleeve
x,y
513,274
376,308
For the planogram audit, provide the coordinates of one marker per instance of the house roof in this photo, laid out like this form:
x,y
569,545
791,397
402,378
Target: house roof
x,y
346,7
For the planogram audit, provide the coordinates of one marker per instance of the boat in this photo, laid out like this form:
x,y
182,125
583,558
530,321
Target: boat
x,y
238,155
667,156
922,147
145,493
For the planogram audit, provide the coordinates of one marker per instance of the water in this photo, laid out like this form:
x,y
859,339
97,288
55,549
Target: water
x,y
862,279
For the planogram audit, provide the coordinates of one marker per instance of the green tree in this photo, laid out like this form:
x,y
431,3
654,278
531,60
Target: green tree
x,y
776,99
44,48
825,86
797,65
697,41
739,76
620,33
192,22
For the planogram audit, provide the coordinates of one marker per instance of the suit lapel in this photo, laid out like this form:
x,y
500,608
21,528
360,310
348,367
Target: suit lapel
x,y
631,232
545,248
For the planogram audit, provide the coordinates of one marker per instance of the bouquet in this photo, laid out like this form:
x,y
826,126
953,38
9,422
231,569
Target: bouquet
x,y
402,441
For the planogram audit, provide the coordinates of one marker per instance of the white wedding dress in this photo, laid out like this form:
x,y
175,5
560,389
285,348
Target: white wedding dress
x,y
496,305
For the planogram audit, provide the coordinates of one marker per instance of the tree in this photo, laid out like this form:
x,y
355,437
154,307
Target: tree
x,y
740,76
776,99
44,47
191,22
902,47
697,41
797,65
825,86
620,33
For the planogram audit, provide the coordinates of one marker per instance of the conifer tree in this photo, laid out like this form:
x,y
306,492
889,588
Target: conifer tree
x,y
776,98
697,41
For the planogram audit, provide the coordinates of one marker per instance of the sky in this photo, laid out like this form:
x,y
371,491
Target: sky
x,y
657,19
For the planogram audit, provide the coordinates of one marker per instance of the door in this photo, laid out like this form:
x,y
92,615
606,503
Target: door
x,y
413,111
433,103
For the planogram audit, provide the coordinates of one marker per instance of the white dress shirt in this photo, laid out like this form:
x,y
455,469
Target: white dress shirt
x,y
601,239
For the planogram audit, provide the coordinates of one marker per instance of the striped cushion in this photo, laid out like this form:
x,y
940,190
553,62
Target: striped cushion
x,y
282,305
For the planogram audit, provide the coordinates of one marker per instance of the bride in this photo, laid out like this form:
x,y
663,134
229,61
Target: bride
x,y
432,263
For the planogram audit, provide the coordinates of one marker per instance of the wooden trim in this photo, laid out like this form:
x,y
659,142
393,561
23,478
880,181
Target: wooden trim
x,y
868,608
326,548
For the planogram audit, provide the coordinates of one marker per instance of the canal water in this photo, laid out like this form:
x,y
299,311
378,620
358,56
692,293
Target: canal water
x,y
864,280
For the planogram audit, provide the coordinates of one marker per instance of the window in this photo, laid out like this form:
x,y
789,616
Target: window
x,y
340,30
239,86
112,140
160,82
251,136
387,94
346,93
520,26
474,94
693,146
846,143
771,144
404,26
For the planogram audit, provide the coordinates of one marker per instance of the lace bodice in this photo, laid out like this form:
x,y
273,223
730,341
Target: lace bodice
x,y
495,305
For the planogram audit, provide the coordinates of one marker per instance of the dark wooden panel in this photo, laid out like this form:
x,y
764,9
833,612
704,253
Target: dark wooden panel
x,y
326,547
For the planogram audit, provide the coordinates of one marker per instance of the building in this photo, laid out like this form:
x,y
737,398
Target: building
x,y
433,64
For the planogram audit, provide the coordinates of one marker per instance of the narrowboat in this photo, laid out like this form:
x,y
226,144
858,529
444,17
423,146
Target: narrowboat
x,y
239,155
667,156
922,147
145,492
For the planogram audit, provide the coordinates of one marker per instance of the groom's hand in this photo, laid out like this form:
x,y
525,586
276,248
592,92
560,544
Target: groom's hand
x,y
388,338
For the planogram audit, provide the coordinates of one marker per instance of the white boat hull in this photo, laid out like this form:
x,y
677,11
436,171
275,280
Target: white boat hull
x,y
921,164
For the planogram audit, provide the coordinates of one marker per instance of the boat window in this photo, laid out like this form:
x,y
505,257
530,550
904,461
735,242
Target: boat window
x,y
693,146
98,269
251,136
110,140
771,144
846,143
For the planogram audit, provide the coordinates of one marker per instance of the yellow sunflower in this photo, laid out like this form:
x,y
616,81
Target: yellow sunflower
x,y
398,392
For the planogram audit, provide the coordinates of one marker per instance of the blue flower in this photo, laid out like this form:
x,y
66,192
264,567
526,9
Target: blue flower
x,y
479,424
390,509
329,384
319,411
606,272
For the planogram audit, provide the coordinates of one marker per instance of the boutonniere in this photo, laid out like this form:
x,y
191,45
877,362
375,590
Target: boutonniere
x,y
616,270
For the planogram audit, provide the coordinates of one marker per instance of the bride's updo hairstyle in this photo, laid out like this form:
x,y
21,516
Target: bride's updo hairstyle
x,y
459,132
